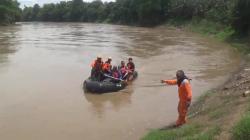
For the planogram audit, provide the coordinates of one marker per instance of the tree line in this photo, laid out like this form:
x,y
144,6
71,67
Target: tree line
x,y
233,13
143,12
9,11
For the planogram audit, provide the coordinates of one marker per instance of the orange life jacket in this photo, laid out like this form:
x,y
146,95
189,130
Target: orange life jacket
x,y
97,65
106,66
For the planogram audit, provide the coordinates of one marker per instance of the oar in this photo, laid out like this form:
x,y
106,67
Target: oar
x,y
125,75
106,75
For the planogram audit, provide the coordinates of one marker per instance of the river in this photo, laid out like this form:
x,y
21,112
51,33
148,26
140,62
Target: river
x,y
43,66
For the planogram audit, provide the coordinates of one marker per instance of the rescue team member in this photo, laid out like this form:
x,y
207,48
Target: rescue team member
x,y
115,72
96,71
131,65
185,95
106,68
123,70
130,69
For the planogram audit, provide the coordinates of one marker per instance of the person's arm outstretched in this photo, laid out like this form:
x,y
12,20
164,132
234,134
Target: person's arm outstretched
x,y
170,82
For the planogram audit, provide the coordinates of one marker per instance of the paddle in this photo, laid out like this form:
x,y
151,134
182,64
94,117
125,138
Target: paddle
x,y
125,75
106,75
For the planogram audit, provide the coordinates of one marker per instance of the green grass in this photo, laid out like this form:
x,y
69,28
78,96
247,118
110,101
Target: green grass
x,y
173,134
225,33
242,130
206,135
187,132
208,28
204,27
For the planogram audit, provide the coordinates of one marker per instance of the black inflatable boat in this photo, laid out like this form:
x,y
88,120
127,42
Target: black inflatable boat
x,y
107,85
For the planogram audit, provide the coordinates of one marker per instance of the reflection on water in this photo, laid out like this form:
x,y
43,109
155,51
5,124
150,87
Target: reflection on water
x,y
7,39
45,65
108,101
100,103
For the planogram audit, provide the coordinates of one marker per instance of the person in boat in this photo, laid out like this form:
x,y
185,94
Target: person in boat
x,y
185,95
96,71
131,65
107,66
116,74
130,69
123,70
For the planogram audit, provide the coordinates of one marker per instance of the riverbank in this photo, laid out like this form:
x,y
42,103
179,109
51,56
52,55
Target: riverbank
x,y
215,30
221,113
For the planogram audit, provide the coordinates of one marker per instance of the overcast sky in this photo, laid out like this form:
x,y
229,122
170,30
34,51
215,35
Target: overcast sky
x,y
41,2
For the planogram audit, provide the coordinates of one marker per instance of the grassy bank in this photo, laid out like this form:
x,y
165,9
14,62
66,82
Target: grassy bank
x,y
218,113
241,130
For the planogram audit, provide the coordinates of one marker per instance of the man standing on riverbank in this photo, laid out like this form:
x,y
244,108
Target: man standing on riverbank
x,y
185,95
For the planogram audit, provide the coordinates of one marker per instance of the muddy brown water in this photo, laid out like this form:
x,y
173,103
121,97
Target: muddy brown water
x,y
43,65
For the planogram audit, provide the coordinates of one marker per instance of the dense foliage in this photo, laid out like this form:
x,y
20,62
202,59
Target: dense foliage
x,y
241,15
143,12
9,11
233,13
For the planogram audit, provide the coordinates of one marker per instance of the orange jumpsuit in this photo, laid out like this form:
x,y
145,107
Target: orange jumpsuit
x,y
185,95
